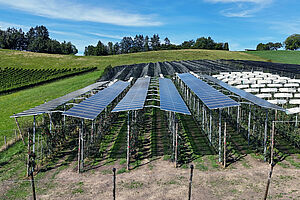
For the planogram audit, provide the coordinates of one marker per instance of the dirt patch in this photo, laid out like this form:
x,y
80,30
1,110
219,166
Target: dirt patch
x,y
160,180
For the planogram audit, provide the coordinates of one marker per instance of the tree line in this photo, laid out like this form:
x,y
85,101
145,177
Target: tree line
x,y
141,43
291,43
36,40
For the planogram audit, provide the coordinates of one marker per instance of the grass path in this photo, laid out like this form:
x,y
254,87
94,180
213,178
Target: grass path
x,y
290,57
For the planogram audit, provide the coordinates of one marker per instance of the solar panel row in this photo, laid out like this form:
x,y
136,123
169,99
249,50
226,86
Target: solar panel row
x,y
93,106
170,99
248,96
211,97
135,97
50,105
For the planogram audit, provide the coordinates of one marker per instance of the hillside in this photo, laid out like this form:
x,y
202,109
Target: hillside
x,y
10,58
290,57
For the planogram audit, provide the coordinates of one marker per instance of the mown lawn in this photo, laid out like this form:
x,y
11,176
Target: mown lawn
x,y
290,57
10,58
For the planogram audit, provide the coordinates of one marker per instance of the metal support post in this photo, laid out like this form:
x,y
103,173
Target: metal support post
x,y
224,145
249,124
210,124
176,142
203,117
33,136
238,119
272,142
82,144
220,135
128,141
265,137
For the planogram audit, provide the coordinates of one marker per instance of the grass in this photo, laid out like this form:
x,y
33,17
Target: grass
x,y
29,98
30,60
290,57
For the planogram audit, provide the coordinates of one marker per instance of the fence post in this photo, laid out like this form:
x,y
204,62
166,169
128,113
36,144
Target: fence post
x,y
190,184
114,181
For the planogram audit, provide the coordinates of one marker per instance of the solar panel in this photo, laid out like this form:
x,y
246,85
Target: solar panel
x,y
245,95
93,106
170,99
50,105
135,97
211,97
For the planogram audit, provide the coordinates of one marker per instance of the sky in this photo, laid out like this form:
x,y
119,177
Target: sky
x,y
241,23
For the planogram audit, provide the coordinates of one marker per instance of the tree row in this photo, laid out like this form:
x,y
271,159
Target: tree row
x,y
36,40
141,44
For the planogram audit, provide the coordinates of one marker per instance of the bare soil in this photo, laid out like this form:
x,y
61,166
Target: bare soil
x,y
159,179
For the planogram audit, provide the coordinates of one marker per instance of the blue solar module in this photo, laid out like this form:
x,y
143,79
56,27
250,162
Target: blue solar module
x,y
51,105
245,95
135,97
170,99
93,106
211,97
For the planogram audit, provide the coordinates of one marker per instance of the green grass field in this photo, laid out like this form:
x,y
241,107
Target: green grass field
x,y
10,58
28,98
290,57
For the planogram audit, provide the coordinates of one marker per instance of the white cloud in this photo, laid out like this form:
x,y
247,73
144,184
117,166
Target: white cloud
x,y
286,27
5,25
106,35
242,8
79,12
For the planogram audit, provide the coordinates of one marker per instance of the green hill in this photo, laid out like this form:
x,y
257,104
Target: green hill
x,y
10,58
290,57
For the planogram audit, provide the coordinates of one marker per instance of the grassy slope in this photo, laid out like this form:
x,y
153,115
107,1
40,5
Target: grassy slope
x,y
25,99
291,57
9,58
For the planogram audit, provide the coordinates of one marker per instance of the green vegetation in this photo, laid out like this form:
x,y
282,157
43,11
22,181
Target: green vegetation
x,y
28,98
289,57
17,78
29,60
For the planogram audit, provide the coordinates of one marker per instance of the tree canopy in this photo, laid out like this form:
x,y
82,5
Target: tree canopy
x,y
268,46
292,42
141,43
36,39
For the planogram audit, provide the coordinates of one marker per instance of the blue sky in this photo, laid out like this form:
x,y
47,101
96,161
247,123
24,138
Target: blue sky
x,y
242,23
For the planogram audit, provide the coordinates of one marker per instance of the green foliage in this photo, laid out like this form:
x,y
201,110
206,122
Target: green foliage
x,y
292,42
121,171
268,46
16,78
35,40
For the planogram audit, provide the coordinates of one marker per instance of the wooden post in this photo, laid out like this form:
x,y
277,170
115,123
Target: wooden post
x,y
190,183
225,145
269,181
32,185
20,130
238,120
114,183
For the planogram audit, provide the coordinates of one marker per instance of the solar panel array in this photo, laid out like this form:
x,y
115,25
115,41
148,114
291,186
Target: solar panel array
x,y
248,96
170,99
50,105
135,97
211,97
93,106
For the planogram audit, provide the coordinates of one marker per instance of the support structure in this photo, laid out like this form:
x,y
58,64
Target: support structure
x,y
128,140
265,136
220,135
